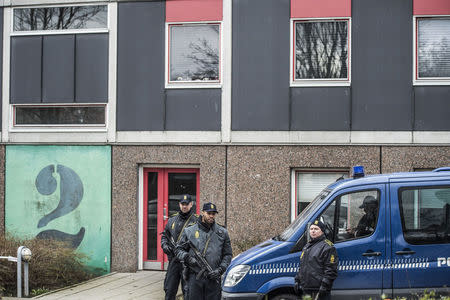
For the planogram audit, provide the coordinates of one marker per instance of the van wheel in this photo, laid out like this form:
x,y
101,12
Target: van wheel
x,y
285,297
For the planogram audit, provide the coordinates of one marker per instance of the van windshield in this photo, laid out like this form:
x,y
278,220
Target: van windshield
x,y
304,215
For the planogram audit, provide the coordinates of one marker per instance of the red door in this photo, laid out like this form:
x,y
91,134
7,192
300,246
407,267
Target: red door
x,y
163,189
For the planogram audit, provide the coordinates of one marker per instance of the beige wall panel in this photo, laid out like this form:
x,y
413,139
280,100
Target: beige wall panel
x,y
259,182
407,159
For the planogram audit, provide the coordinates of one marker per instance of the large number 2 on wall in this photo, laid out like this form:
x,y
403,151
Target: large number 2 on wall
x,y
71,193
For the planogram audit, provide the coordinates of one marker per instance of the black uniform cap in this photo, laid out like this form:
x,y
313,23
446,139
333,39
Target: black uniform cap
x,y
319,224
209,207
186,199
368,200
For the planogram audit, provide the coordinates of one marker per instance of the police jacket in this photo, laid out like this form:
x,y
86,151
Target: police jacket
x,y
318,264
366,225
212,242
176,224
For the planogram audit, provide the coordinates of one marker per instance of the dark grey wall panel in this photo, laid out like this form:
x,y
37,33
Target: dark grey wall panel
x,y
320,108
381,65
58,68
1,58
140,66
260,96
26,69
193,109
91,68
432,108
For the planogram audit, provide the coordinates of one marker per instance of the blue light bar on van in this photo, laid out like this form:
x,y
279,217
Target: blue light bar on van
x,y
358,171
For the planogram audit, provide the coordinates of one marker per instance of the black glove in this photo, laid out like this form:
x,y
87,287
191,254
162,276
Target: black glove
x,y
215,274
322,291
167,250
191,261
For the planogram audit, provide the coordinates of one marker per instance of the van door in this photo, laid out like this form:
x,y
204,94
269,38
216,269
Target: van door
x,y
420,235
357,225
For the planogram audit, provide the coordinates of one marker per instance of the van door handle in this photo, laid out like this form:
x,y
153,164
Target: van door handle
x,y
371,253
404,252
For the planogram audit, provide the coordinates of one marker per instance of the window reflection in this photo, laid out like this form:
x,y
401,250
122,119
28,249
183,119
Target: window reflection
x,y
59,115
433,48
57,18
321,50
194,52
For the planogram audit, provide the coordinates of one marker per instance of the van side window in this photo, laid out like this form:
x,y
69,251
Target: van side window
x,y
425,213
352,215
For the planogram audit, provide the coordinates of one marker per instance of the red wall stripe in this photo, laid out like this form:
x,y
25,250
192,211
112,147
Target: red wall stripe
x,y
431,7
321,8
193,10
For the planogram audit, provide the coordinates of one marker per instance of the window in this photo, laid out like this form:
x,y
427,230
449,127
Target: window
x,y
59,115
432,50
60,18
193,54
425,214
69,85
356,214
308,184
321,52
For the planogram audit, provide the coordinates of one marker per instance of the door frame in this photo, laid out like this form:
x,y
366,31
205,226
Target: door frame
x,y
141,208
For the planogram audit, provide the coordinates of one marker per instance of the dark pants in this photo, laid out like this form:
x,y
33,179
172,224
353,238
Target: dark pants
x,y
203,289
172,280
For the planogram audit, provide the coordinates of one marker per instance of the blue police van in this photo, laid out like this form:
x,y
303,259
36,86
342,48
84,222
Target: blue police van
x,y
403,250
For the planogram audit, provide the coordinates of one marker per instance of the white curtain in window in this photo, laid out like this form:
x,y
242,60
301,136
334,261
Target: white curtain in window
x,y
309,185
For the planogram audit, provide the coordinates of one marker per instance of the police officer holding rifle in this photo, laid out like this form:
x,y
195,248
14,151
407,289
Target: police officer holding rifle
x,y
170,236
206,248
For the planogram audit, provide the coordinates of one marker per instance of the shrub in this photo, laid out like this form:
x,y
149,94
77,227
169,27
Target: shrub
x,y
53,265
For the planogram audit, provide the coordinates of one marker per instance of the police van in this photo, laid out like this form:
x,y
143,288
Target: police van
x,y
402,249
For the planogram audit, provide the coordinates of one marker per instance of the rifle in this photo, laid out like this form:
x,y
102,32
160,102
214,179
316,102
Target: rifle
x,y
203,264
184,273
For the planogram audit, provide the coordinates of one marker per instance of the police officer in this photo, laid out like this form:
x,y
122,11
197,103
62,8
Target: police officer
x,y
213,243
318,265
367,223
174,227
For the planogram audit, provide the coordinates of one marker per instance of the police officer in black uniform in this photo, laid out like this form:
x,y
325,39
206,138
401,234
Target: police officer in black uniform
x,y
174,227
213,242
318,265
367,223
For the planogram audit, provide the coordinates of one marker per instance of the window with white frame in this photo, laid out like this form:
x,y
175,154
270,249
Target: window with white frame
x,y
60,18
432,49
308,184
321,52
60,115
193,54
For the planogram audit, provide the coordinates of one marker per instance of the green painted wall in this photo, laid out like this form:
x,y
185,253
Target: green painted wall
x,y
62,192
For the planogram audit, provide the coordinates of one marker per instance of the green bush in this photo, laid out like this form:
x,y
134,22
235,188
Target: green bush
x,y
53,265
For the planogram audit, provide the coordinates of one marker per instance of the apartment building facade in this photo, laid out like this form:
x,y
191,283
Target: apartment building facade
x,y
113,109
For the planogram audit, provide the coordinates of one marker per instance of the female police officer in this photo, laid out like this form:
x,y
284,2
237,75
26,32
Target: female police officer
x,y
318,264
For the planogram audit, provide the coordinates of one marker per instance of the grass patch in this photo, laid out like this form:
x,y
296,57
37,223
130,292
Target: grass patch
x,y
53,265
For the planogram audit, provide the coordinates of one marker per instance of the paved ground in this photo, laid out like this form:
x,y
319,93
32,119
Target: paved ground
x,y
120,286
